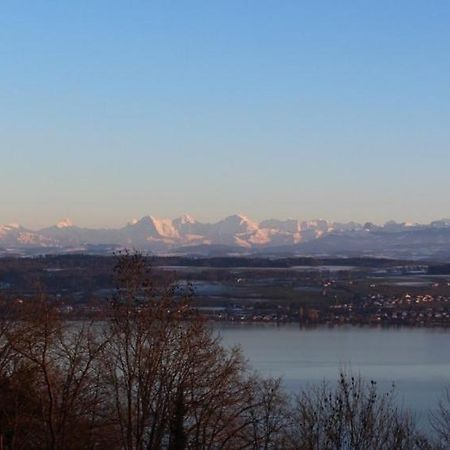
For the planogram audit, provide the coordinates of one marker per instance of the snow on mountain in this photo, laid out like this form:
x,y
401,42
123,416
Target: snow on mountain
x,y
236,224
184,220
64,223
140,234
191,231
239,232
165,228
282,232
443,223
9,227
287,226
16,236
415,242
65,234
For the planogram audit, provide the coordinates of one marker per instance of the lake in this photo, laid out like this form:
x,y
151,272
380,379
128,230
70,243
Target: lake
x,y
417,360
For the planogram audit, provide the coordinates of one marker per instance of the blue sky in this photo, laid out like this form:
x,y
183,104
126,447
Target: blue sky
x,y
110,110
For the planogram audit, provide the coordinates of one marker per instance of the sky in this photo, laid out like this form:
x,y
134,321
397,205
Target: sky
x,y
111,110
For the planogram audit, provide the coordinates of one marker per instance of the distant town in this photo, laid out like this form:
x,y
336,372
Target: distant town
x,y
308,291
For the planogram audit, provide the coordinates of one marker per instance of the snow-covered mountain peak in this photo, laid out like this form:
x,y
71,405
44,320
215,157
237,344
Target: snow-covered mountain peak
x,y
237,222
64,223
164,227
307,237
288,225
144,222
185,219
10,226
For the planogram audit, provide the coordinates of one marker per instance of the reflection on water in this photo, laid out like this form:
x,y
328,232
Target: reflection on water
x,y
417,360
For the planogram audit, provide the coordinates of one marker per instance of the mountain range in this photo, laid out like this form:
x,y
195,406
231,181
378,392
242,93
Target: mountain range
x,y
237,234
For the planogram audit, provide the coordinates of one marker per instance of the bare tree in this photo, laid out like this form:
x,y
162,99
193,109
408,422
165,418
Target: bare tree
x,y
440,421
269,416
353,415
170,380
17,387
62,360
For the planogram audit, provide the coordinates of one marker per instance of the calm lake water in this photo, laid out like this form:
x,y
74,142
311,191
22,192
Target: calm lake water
x,y
417,360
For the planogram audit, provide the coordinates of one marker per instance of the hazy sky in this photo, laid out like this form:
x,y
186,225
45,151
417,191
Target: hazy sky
x,y
111,110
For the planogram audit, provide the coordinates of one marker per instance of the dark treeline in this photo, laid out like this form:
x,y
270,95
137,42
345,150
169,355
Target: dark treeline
x,y
80,278
76,260
439,269
152,375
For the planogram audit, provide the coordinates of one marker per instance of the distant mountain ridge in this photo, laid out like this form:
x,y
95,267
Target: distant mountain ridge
x,y
238,234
